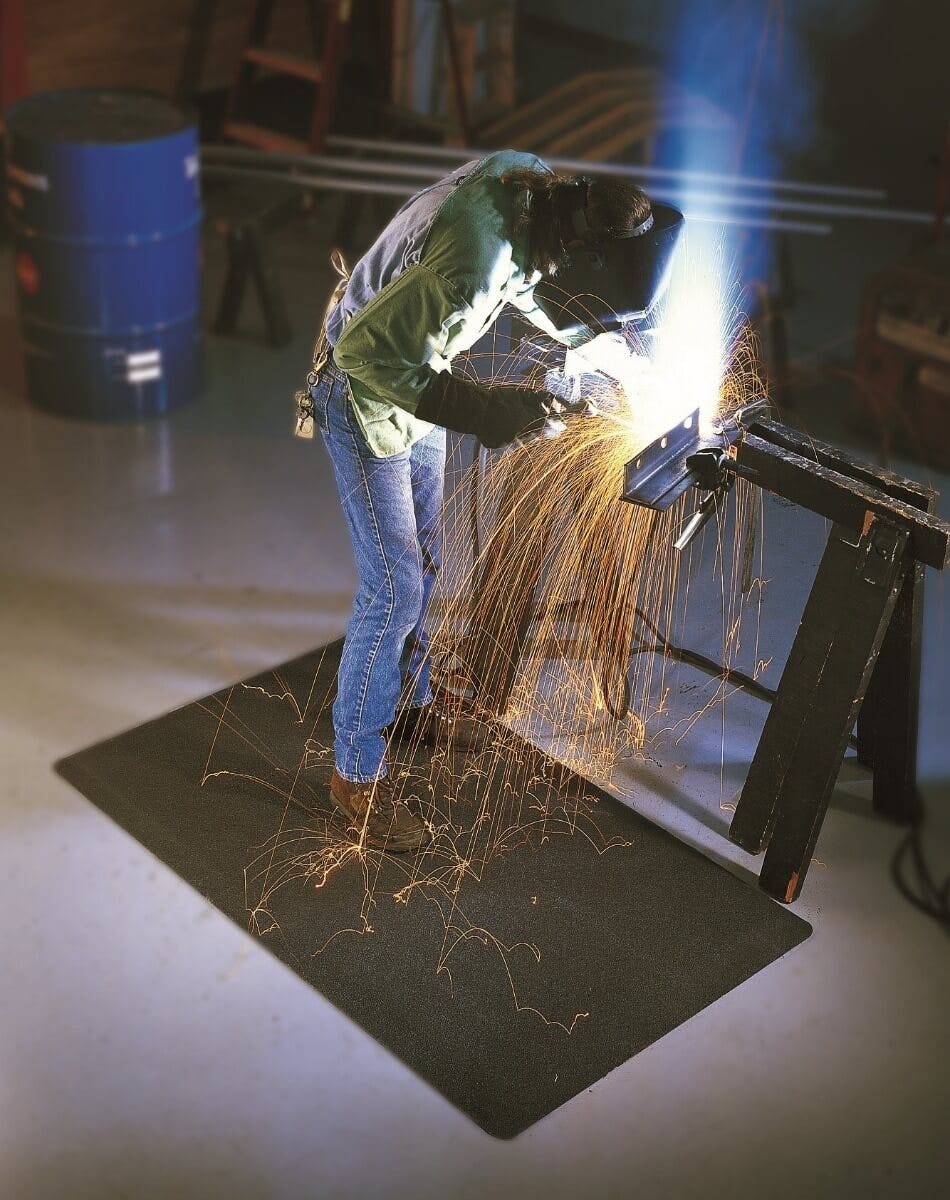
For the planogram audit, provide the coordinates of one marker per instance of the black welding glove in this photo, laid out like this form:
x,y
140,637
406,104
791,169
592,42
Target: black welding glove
x,y
495,415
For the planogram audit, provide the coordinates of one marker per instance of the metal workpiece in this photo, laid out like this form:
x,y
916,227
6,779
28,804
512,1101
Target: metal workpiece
x,y
783,461
658,476
684,457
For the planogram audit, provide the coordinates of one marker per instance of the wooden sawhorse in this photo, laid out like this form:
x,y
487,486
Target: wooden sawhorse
x,y
856,656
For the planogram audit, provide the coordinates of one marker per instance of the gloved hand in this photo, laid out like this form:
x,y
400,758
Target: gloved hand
x,y
573,391
496,415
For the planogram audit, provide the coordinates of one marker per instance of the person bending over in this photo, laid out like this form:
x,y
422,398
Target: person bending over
x,y
383,395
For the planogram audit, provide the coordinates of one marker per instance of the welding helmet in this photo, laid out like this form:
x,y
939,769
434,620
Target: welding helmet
x,y
604,283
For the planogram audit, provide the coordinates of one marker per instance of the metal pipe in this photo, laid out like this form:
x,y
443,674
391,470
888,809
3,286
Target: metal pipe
x,y
421,174
342,184
902,215
463,153
317,183
703,200
355,166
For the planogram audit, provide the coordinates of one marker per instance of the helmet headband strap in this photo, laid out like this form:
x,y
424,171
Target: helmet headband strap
x,y
580,225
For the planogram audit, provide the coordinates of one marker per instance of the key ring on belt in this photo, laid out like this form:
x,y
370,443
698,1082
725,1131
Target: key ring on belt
x,y
303,424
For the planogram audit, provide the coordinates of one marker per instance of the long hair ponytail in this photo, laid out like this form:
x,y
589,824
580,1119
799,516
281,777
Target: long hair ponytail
x,y
613,208
540,221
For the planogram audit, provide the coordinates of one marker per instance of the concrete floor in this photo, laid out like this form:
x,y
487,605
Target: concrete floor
x,y
150,1048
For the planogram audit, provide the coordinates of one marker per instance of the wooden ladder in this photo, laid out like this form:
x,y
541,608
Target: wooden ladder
x,y
321,73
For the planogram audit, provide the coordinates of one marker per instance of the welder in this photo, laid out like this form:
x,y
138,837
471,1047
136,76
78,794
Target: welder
x,y
382,394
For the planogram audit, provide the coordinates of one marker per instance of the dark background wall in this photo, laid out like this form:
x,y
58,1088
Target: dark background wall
x,y
851,90
140,42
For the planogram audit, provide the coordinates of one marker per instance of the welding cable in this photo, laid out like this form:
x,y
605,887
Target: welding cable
x,y
923,892
709,666
663,645
479,465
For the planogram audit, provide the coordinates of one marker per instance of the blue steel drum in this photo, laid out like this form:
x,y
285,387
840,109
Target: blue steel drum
x,y
104,201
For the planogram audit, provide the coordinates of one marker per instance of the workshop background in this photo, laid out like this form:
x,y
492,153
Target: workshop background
x,y
164,536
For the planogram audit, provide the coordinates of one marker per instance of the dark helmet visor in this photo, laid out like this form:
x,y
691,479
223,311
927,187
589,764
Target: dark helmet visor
x,y
604,286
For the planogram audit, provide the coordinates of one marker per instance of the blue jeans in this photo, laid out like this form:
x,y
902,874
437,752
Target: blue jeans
x,y
393,508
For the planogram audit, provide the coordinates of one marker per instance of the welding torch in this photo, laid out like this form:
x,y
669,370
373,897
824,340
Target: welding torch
x,y
556,409
564,399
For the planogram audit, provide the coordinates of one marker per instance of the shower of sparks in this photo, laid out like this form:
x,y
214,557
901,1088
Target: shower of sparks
x,y
553,630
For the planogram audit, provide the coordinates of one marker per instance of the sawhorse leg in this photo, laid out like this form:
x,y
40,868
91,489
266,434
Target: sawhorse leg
x,y
271,298
887,723
246,260
235,281
786,794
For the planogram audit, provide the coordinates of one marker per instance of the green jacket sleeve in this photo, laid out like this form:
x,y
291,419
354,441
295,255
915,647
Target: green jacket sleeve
x,y
391,347
526,304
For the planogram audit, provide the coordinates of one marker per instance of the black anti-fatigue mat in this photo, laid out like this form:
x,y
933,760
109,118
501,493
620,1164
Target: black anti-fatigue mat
x,y
549,933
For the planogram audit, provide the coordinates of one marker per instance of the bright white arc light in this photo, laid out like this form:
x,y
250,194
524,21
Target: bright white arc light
x,y
691,345
690,349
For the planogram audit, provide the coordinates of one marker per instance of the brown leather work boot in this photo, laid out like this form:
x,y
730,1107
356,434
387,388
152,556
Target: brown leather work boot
x,y
448,723
376,816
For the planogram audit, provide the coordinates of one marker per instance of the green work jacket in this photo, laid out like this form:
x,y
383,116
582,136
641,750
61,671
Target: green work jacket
x,y
434,281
